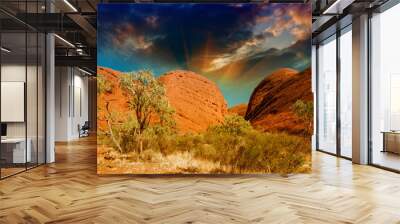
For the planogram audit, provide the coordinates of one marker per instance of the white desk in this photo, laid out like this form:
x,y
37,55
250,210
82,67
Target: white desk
x,y
18,151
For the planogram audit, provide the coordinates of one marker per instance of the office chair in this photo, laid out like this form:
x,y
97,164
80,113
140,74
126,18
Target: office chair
x,y
84,130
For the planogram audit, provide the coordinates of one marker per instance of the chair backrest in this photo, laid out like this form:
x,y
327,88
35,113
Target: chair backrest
x,y
86,124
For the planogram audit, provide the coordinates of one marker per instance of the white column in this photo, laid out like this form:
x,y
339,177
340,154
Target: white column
x,y
360,90
50,99
313,89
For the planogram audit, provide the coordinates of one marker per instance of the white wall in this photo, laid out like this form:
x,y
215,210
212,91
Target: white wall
x,y
16,73
33,127
71,102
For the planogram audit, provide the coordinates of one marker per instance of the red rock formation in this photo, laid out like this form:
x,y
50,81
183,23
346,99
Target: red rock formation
x,y
239,109
269,108
198,102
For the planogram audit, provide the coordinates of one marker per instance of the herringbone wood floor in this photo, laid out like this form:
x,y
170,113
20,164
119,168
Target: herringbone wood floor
x,y
69,191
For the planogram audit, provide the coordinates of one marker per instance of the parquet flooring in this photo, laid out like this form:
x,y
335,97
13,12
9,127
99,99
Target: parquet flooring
x,y
70,191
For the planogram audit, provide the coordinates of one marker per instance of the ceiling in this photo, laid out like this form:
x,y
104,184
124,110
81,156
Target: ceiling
x,y
332,15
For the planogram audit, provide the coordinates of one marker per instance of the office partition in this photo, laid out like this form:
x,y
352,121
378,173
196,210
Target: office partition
x,y
22,77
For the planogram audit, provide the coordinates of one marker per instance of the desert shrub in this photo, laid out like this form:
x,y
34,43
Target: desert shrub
x,y
103,86
233,125
127,133
120,132
305,111
269,152
188,142
206,152
160,138
254,151
227,140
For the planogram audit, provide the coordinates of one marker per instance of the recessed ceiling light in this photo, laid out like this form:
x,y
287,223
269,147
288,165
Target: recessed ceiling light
x,y
70,5
64,40
5,50
84,71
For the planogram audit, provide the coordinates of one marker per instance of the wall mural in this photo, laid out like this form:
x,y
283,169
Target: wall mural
x,y
204,88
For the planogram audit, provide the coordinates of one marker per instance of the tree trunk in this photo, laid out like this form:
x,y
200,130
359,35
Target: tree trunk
x,y
108,118
140,145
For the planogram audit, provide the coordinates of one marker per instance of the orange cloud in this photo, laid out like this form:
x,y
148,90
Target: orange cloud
x,y
296,21
263,19
126,37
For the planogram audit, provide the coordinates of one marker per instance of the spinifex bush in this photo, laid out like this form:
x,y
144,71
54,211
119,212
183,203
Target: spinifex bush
x,y
233,124
237,145
270,152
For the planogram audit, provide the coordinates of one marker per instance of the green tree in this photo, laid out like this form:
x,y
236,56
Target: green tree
x,y
147,99
305,111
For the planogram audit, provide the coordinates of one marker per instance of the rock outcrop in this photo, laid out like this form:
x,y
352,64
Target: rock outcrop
x,y
239,109
197,101
270,105
114,98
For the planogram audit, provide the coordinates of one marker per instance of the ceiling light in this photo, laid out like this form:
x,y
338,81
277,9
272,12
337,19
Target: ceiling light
x,y
334,5
65,41
84,71
70,5
337,7
5,50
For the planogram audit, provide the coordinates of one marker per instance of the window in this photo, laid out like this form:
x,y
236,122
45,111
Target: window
x,y
385,89
327,96
346,93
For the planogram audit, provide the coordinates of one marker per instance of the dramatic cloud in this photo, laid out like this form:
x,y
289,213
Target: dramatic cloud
x,y
293,19
126,37
221,41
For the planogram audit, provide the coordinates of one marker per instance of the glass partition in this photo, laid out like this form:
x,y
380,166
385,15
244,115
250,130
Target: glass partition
x,y
13,94
22,77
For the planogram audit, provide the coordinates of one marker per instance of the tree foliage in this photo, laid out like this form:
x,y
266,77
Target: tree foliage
x,y
233,125
146,97
305,111
103,86
149,113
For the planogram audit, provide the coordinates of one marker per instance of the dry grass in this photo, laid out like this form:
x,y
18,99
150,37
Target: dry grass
x,y
203,158
232,147
111,162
